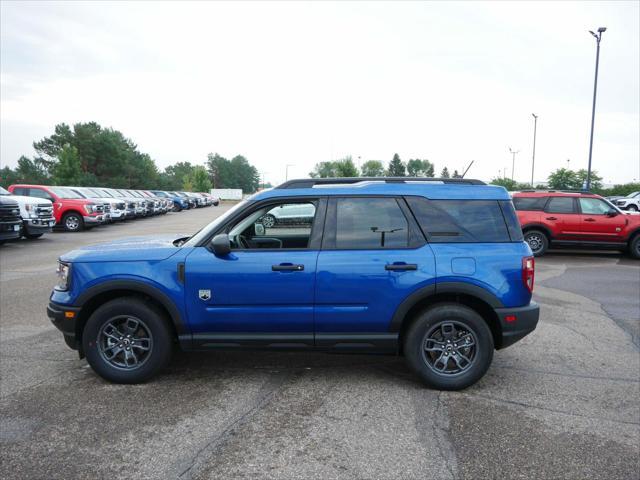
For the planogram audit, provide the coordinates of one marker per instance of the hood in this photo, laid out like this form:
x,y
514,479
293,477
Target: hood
x,y
22,200
133,249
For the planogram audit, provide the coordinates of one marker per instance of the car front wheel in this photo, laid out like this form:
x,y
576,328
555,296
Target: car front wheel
x,y
127,340
538,242
73,222
633,208
449,346
634,247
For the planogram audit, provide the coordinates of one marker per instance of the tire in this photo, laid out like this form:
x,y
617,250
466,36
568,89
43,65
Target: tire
x,y
177,208
73,222
115,320
538,242
633,208
32,236
443,367
268,221
634,247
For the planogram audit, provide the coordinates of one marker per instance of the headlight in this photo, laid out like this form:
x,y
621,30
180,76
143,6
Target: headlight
x,y
90,208
63,272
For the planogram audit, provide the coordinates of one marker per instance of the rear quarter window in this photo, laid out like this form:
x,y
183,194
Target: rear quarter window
x,y
462,221
529,203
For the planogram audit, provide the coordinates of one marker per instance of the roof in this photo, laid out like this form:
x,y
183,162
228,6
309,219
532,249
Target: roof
x,y
434,188
555,193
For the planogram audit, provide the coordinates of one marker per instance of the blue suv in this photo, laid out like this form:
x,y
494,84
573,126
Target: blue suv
x,y
435,270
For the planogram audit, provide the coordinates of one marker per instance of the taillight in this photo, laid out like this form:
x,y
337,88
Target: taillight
x,y
528,272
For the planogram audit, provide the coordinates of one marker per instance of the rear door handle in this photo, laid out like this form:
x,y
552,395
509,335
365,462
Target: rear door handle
x,y
400,267
589,220
287,267
551,218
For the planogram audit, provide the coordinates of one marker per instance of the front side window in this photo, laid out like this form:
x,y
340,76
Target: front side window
x,y
280,226
461,221
561,205
370,223
594,206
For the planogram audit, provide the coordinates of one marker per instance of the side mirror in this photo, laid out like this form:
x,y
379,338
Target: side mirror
x,y
259,229
612,213
221,245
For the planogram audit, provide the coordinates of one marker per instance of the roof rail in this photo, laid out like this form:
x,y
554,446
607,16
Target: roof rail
x,y
311,182
585,192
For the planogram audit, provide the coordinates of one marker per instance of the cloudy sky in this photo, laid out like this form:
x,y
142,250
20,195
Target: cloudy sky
x,y
299,83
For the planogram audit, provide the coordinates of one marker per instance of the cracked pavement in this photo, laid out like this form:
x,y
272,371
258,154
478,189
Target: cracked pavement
x,y
562,403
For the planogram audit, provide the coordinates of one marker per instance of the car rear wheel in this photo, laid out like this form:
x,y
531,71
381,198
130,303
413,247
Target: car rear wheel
x,y
73,222
127,340
634,247
538,242
633,208
449,346
268,221
32,236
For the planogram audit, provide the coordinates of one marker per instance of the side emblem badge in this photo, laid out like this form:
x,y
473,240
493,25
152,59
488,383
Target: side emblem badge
x,y
204,294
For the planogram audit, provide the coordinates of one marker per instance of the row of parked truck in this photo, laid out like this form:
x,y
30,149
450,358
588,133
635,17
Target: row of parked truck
x,y
32,210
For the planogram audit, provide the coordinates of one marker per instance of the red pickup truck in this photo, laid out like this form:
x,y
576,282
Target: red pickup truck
x,y
70,209
576,219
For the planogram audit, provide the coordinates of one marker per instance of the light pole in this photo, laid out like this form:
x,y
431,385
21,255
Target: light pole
x,y
533,158
286,174
598,37
513,161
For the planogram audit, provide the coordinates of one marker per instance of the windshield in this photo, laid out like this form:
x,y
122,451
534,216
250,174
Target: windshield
x,y
204,232
4,192
101,193
65,192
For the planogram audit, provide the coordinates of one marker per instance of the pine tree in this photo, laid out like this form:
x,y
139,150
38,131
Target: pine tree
x,y
396,167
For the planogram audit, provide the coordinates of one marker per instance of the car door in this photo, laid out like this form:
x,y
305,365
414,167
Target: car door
x,y
261,293
600,222
373,256
562,217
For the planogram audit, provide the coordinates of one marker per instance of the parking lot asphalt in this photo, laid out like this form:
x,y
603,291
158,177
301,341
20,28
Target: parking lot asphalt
x,y
562,403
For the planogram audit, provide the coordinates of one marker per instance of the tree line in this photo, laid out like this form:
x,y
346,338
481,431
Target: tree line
x,y
88,154
345,167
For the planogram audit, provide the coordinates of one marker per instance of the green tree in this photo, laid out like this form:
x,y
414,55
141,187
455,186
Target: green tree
x,y
563,179
345,167
456,174
581,179
420,168
372,168
67,170
200,179
445,173
234,173
323,170
8,177
396,167
509,184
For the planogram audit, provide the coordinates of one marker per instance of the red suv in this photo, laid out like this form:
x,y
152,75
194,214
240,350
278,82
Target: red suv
x,y
70,209
577,219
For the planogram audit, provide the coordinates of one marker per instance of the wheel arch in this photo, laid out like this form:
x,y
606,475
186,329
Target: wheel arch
x,y
461,293
91,299
538,226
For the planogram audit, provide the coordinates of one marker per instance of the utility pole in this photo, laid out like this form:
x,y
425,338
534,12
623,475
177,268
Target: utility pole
x,y
533,158
286,175
598,37
513,161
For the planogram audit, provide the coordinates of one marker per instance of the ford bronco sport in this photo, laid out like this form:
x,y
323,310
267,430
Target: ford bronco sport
x,y
575,219
435,270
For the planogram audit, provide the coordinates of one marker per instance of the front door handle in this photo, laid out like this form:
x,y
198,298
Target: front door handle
x,y
400,267
551,218
589,220
287,267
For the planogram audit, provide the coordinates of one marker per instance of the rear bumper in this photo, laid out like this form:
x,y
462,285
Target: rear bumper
x,y
517,323
64,318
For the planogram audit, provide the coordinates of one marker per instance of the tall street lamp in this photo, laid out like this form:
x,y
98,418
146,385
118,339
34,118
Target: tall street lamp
x,y
533,158
598,37
513,161
286,175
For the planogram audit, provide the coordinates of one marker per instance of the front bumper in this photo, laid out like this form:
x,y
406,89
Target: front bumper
x,y
517,323
34,226
10,230
90,220
64,318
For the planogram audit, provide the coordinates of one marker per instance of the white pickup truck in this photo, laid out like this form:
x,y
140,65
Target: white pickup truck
x,y
36,213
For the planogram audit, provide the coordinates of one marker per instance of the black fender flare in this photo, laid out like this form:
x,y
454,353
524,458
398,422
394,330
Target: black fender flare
x,y
135,287
423,293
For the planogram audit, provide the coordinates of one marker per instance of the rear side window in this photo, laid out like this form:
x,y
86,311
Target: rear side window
x,y
511,219
370,223
529,203
561,205
460,221
20,191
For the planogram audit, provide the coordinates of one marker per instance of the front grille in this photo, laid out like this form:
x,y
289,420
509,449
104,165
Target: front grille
x,y
100,208
131,205
107,208
9,213
120,206
44,210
